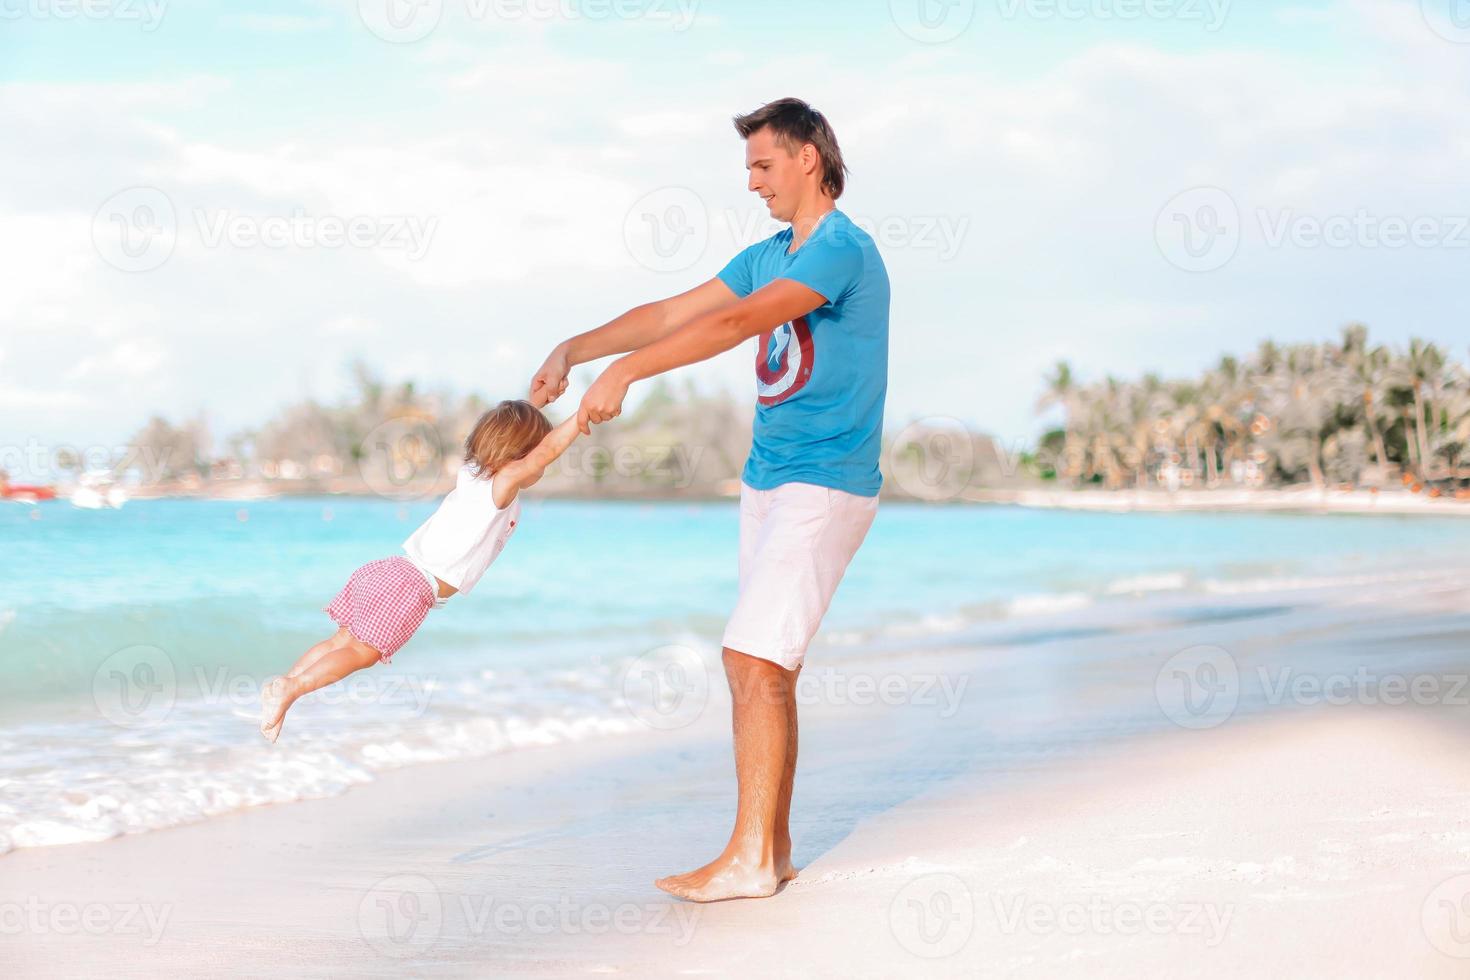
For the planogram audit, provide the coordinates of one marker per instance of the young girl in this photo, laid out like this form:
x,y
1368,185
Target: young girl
x,y
385,601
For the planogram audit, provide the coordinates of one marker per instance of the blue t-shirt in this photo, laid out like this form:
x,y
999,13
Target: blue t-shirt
x,y
820,379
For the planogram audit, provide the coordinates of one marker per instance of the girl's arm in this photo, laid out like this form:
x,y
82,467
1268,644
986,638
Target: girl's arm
x,y
521,473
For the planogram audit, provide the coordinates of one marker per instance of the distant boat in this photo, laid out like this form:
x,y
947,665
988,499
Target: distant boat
x,y
98,492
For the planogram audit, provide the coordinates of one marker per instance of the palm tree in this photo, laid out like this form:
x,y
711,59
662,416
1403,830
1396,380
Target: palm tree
x,y
1368,368
1422,373
1061,390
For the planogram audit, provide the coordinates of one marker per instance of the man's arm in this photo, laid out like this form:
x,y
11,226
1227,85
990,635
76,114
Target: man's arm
x,y
521,473
637,328
707,335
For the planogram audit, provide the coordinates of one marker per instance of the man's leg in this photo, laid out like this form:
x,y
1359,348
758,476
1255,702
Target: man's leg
x,y
763,705
785,870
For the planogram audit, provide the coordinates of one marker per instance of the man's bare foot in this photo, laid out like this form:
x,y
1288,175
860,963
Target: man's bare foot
x,y
785,870
726,877
273,707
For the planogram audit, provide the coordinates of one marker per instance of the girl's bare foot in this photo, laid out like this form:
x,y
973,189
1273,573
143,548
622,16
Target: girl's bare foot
x,y
273,707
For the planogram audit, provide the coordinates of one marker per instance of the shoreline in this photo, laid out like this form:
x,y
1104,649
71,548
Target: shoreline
x,y
1299,500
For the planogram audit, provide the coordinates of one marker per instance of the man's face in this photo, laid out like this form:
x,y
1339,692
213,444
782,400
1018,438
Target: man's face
x,y
776,174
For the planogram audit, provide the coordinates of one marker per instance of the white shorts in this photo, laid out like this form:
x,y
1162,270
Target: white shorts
x,y
795,543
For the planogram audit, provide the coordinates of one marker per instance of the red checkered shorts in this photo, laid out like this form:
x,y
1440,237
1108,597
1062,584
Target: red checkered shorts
x,y
383,603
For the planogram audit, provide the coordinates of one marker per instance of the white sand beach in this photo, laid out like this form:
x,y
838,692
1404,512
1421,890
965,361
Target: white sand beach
x,y
1019,805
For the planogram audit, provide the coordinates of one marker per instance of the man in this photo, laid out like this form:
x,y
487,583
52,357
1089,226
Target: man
x,y
816,294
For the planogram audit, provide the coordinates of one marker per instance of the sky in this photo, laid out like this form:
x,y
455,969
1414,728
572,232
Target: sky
x,y
211,208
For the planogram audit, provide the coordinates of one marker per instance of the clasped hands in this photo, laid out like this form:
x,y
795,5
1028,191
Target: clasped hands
x,y
603,401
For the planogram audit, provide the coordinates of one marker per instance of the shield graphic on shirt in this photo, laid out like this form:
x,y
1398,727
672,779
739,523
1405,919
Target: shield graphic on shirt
x,y
783,361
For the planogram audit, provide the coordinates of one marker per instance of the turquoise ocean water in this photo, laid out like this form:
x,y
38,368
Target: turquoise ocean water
x,y
132,642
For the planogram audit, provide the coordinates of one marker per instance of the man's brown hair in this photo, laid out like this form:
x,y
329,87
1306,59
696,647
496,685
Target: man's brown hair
x,y
795,123
505,433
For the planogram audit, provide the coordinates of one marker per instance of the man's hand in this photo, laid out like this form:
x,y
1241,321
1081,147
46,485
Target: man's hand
x,y
548,383
604,400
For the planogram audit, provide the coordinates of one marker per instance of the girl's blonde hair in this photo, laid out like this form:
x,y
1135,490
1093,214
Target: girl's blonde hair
x,y
505,433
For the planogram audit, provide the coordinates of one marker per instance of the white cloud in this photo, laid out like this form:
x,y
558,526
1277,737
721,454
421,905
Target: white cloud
x,y
129,359
665,123
349,325
15,398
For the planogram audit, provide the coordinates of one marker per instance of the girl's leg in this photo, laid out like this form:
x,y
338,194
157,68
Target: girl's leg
x,y
320,650
281,692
